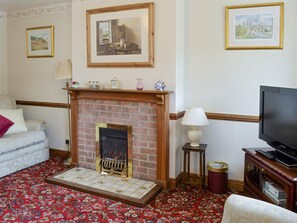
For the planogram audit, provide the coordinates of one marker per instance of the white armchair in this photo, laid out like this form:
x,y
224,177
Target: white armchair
x,y
240,209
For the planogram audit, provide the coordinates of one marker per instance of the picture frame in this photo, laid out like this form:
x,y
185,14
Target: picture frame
x,y
40,41
257,26
121,36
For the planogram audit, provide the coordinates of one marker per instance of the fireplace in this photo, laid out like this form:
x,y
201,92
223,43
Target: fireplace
x,y
141,117
146,112
114,149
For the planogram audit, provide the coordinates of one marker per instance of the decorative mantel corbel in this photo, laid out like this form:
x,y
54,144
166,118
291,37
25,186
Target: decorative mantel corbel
x,y
160,99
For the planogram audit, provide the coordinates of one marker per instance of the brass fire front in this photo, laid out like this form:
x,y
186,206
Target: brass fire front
x,y
113,166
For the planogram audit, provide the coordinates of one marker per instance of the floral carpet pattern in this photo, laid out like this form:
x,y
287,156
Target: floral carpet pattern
x,y
26,197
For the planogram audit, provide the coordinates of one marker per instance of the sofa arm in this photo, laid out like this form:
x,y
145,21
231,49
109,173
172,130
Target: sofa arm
x,y
35,124
239,209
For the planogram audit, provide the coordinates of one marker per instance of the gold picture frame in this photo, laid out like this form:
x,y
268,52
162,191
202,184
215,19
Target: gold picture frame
x,y
121,36
257,26
40,41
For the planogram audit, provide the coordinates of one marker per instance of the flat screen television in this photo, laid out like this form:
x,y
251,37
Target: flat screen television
x,y
278,123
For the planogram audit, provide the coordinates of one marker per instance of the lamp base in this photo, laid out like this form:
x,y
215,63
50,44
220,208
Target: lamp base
x,y
194,135
194,144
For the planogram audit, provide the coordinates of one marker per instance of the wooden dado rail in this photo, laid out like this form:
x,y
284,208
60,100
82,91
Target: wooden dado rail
x,y
220,116
173,116
42,104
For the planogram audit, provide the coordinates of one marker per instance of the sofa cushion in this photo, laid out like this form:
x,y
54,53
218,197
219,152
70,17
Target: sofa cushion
x,y
5,124
16,116
19,140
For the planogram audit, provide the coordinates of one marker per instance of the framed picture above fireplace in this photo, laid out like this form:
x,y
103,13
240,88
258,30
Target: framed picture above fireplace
x,y
121,36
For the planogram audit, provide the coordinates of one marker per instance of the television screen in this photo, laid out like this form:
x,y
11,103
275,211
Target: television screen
x,y
278,118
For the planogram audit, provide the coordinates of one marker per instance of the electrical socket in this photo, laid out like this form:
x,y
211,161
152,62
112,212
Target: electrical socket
x,y
67,141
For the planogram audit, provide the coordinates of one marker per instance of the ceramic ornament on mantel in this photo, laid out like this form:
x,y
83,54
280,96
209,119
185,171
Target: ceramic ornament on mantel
x,y
115,83
160,85
139,84
75,84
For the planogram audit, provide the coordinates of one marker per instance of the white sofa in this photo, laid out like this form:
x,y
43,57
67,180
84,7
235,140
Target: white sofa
x,y
23,149
240,209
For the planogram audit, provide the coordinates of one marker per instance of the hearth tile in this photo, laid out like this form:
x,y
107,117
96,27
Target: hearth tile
x,y
129,190
130,187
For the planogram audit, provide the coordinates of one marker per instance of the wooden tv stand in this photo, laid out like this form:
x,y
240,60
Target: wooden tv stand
x,y
259,169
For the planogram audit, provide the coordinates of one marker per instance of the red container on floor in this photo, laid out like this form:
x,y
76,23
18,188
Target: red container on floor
x,y
217,177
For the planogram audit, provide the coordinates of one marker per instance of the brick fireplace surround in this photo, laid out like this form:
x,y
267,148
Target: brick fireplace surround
x,y
146,111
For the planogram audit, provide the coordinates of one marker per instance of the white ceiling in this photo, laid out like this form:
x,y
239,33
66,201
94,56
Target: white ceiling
x,y
15,5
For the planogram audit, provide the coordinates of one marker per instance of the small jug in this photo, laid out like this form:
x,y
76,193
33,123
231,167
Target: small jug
x,y
159,85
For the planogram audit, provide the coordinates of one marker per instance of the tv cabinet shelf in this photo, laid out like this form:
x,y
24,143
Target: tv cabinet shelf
x,y
260,171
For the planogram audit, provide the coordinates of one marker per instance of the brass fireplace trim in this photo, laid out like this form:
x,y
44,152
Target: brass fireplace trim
x,y
98,161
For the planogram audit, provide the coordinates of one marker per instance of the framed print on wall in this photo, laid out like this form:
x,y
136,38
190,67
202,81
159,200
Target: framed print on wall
x,y
40,41
121,36
258,26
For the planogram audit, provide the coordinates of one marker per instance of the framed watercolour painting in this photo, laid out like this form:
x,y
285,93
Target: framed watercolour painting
x,y
40,41
258,26
121,36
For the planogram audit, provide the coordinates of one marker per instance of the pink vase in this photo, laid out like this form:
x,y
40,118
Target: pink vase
x,y
139,84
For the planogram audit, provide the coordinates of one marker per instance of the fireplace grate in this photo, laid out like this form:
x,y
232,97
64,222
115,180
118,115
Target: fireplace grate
x,y
113,166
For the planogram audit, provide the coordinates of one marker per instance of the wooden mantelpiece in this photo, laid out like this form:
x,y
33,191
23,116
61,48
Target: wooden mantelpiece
x,y
160,98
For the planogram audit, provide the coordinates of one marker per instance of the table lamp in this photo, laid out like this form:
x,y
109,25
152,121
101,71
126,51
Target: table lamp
x,y
194,118
64,71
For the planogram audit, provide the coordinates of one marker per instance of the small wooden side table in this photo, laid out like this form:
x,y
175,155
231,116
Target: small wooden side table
x,y
186,174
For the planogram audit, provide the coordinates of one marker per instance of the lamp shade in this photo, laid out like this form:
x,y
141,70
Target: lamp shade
x,y
195,117
64,70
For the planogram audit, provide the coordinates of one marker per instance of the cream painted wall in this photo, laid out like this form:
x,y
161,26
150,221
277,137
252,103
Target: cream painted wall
x,y
176,132
3,54
33,79
228,81
165,49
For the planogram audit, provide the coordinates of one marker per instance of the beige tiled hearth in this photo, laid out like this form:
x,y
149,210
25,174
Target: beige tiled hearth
x,y
128,190
129,187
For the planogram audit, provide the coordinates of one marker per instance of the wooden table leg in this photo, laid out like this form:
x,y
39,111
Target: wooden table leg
x,y
203,167
185,172
188,158
200,170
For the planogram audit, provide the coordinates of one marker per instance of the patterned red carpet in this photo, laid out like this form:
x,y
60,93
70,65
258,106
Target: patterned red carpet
x,y
26,197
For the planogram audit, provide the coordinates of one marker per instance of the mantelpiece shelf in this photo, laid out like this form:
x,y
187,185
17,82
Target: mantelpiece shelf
x,y
150,96
119,90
